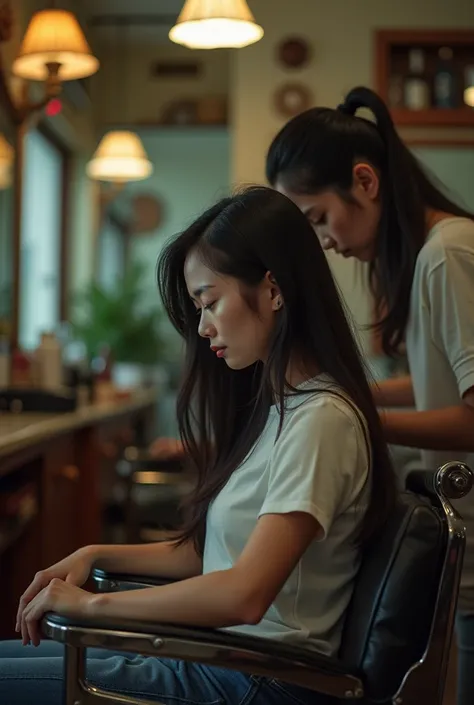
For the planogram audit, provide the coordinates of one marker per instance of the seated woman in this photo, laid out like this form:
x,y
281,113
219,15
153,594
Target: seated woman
x,y
294,474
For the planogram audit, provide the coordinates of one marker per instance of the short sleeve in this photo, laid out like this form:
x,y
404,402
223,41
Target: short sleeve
x,y
319,463
451,295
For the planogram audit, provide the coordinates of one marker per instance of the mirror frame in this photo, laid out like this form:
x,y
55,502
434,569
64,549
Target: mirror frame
x,y
14,120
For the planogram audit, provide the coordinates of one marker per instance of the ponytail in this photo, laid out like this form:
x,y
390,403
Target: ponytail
x,y
317,150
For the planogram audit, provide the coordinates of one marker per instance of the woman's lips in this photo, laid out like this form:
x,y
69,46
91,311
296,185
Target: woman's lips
x,y
219,350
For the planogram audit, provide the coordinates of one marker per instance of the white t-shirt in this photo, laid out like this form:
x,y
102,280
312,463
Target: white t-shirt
x,y
319,465
440,347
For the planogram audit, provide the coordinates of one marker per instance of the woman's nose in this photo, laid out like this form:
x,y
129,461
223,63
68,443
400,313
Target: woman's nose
x,y
327,243
205,328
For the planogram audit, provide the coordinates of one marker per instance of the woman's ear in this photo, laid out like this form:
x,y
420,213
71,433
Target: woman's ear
x,y
274,291
366,177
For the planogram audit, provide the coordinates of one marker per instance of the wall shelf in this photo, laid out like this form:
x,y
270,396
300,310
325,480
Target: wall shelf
x,y
391,58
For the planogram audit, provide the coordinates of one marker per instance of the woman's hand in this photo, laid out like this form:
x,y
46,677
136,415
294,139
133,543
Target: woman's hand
x,y
75,569
61,597
167,448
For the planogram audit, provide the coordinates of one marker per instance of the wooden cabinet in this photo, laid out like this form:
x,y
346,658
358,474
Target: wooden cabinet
x,y
60,518
392,48
69,474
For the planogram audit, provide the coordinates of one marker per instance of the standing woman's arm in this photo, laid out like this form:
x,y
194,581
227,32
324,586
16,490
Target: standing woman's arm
x,y
450,287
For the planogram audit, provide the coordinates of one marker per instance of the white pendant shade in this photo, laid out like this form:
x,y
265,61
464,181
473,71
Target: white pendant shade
x,y
6,162
215,24
120,157
54,37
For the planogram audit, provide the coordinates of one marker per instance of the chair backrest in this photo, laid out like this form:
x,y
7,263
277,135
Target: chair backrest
x,y
389,620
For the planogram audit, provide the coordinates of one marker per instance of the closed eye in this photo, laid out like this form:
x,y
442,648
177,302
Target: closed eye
x,y
207,307
322,220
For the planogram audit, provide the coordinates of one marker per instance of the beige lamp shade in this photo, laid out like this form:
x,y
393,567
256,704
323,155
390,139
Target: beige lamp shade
x,y
54,37
7,155
215,24
120,157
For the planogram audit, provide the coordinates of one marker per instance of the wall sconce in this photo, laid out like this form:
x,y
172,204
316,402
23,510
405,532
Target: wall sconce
x,y
216,24
54,49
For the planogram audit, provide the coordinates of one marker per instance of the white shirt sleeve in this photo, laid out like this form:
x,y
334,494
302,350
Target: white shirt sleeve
x,y
451,297
319,464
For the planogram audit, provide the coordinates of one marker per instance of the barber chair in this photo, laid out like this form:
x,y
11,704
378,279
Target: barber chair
x,y
397,635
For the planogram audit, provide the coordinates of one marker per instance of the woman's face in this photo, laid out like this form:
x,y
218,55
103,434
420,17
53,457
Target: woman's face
x,y
236,332
350,229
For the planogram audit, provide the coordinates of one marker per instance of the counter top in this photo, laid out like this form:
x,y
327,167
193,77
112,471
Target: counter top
x,y
19,431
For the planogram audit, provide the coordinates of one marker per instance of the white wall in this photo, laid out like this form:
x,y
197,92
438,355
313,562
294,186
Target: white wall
x,y
126,91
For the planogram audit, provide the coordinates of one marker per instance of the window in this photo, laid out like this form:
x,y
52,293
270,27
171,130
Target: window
x,y
111,251
41,237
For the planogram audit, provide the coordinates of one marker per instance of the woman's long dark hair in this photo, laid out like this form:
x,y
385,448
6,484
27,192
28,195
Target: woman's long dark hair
x,y
222,412
318,149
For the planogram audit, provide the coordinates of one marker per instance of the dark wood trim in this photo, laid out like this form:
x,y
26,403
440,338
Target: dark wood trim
x,y
66,181
17,220
443,142
156,125
65,237
6,98
458,117
388,37
13,116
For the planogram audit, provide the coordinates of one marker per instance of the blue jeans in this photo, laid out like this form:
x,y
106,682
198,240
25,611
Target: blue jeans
x,y
465,643
34,676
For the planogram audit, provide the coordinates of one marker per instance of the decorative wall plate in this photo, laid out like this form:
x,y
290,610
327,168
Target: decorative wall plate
x,y
147,214
293,52
292,99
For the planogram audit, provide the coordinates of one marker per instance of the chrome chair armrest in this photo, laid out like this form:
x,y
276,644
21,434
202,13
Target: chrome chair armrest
x,y
218,648
118,582
453,480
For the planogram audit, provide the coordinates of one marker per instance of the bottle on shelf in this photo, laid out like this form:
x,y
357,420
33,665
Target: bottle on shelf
x,y
395,91
445,89
416,89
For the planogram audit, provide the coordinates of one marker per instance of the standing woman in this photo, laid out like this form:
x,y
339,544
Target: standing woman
x,y
368,197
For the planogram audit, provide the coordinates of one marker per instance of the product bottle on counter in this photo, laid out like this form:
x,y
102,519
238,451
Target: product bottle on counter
x,y
4,362
104,391
49,362
20,370
445,80
417,92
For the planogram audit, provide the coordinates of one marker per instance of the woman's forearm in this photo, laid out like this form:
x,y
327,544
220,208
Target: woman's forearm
x,y
161,559
397,391
213,600
450,429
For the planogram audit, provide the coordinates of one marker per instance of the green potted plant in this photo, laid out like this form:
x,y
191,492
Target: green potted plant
x,y
118,318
